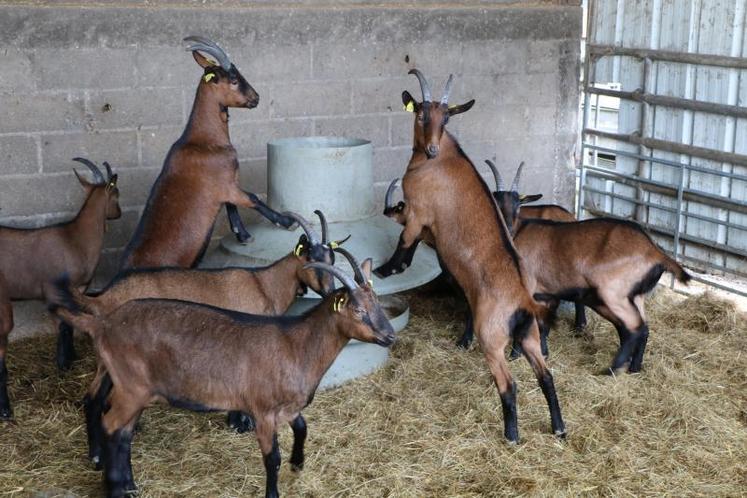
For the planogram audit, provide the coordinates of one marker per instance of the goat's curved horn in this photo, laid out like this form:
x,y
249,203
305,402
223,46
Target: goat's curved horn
x,y
424,87
305,225
325,228
359,277
346,280
210,47
97,175
389,191
499,186
517,178
109,172
447,90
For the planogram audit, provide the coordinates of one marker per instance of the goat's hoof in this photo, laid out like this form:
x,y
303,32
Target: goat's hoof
x,y
384,271
244,239
296,467
98,464
560,433
121,491
463,343
240,422
6,414
514,355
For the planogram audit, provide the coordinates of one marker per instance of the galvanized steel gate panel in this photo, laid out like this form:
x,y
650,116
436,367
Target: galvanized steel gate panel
x,y
665,127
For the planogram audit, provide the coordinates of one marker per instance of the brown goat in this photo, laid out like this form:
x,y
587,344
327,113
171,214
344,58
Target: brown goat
x,y
204,358
268,290
444,193
199,175
607,264
30,259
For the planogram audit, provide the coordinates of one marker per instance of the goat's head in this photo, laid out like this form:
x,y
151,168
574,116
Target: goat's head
x,y
221,78
510,201
431,117
394,211
356,306
106,187
309,249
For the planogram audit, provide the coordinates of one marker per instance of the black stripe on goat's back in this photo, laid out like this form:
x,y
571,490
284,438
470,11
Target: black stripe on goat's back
x,y
648,282
505,237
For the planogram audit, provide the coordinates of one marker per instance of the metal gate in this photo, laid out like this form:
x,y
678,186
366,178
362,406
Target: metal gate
x,y
664,128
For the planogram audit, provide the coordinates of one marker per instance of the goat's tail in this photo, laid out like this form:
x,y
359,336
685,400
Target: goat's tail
x,y
675,268
72,306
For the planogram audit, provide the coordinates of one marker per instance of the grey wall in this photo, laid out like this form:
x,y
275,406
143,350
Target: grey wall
x,y
112,82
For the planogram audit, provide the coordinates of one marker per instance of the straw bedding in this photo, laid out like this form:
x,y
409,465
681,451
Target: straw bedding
x,y
430,424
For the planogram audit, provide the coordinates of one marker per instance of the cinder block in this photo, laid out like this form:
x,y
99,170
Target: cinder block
x,y
155,144
490,57
253,175
310,98
32,195
543,56
136,107
18,155
380,94
358,60
63,68
119,232
267,62
486,124
167,66
135,184
16,73
372,128
401,129
390,163
250,139
38,112
118,148
541,120
524,89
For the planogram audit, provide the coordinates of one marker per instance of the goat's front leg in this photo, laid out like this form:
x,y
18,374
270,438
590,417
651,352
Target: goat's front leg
x,y
240,421
299,438
65,346
237,226
268,442
408,243
269,213
6,325
94,406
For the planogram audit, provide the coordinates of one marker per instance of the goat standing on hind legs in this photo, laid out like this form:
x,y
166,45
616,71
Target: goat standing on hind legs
x,y
30,259
445,194
200,174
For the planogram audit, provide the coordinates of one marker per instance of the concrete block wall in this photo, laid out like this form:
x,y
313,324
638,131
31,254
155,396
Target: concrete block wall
x,y
111,81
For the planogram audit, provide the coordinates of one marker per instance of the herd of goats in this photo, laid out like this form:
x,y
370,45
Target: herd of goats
x,y
206,340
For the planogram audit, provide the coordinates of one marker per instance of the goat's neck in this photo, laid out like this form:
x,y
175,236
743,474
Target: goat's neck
x,y
208,122
89,225
320,342
280,282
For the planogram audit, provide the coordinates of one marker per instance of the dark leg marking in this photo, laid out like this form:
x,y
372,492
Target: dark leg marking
x,y
269,213
510,425
240,421
580,316
299,437
469,332
6,413
65,347
548,389
117,466
237,226
637,361
272,466
400,260
94,409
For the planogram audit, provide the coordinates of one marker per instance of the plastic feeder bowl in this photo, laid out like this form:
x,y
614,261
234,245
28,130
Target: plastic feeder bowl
x,y
333,174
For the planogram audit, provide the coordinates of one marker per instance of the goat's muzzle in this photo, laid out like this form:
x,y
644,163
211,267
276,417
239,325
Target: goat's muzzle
x,y
431,151
252,103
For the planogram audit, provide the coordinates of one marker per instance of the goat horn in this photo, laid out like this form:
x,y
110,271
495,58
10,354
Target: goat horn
x,y
424,87
515,185
341,275
359,277
210,47
97,175
499,186
305,225
447,90
389,191
109,172
325,228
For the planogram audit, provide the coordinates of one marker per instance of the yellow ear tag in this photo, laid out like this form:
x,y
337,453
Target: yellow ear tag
x,y
370,283
333,245
208,77
298,250
410,107
339,302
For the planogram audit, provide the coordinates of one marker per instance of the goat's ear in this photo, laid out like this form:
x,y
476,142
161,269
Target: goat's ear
x,y
203,61
302,246
86,184
366,269
458,109
526,199
411,105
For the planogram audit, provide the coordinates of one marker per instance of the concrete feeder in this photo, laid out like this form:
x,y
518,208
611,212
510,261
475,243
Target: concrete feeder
x,y
333,174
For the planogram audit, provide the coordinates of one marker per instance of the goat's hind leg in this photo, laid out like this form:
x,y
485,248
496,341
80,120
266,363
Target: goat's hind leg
x,y
94,405
532,350
636,361
239,421
630,327
298,425
268,443
65,346
493,344
119,423
6,325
